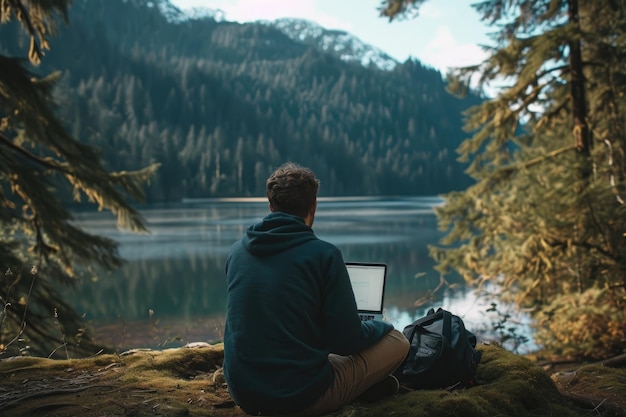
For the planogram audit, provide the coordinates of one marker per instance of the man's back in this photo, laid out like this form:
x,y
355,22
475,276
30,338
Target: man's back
x,y
293,340
290,304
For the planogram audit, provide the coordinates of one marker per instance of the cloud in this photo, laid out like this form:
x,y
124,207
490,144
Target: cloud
x,y
445,51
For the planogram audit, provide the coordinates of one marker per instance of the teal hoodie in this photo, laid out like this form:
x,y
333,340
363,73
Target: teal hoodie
x,y
290,304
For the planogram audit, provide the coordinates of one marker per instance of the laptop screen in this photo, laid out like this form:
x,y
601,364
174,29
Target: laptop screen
x,y
368,285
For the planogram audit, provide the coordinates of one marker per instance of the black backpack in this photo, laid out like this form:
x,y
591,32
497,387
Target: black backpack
x,y
441,355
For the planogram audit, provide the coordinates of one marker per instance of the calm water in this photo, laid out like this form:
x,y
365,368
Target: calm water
x,y
172,289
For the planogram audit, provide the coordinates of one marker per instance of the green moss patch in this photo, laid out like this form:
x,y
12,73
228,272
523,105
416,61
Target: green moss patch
x,y
510,385
595,387
189,381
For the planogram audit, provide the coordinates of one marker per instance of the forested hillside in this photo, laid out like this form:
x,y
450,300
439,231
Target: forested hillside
x,y
220,104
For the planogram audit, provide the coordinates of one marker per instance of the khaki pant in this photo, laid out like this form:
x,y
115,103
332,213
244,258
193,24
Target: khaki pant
x,y
356,373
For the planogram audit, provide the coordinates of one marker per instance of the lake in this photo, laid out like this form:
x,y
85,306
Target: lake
x,y
173,290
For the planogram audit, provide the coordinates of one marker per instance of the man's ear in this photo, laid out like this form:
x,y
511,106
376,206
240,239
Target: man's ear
x,y
271,208
311,216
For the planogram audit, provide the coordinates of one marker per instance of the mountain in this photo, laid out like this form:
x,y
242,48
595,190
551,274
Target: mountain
x,y
221,104
336,42
342,44
174,14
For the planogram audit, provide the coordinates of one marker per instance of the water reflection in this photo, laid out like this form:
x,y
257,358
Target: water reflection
x,y
177,271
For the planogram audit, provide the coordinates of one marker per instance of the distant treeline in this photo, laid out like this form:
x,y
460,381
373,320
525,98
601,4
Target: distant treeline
x,y
221,104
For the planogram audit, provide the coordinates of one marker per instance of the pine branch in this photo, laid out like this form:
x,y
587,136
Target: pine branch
x,y
549,115
35,53
584,245
538,160
22,11
7,142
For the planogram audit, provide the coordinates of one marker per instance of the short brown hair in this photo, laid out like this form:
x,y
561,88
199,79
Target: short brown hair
x,y
292,189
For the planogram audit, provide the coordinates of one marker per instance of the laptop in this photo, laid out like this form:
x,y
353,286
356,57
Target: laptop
x,y
368,284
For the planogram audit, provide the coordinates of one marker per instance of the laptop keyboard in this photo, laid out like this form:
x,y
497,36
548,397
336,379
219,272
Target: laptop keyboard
x,y
365,317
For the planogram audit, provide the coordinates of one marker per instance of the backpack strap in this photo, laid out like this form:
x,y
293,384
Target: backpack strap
x,y
447,325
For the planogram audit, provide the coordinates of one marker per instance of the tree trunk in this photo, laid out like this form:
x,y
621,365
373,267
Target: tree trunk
x,y
577,86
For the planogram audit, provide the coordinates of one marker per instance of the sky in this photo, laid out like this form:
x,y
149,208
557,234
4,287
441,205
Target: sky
x,y
444,34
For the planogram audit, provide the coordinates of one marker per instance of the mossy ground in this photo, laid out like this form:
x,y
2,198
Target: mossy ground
x,y
189,381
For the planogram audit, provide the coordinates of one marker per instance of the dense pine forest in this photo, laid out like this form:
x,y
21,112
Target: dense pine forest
x,y
220,104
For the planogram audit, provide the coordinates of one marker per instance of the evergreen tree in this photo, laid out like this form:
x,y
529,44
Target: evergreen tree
x,y
546,220
41,250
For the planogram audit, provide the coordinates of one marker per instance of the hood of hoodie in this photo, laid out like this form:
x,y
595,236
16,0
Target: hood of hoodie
x,y
276,233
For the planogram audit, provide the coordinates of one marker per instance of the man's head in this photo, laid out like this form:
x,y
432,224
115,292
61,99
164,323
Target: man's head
x,y
293,189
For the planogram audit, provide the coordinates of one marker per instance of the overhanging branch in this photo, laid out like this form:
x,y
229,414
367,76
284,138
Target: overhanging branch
x,y
7,142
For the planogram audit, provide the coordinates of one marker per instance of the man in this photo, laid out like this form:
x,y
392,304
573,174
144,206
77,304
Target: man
x,y
293,340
